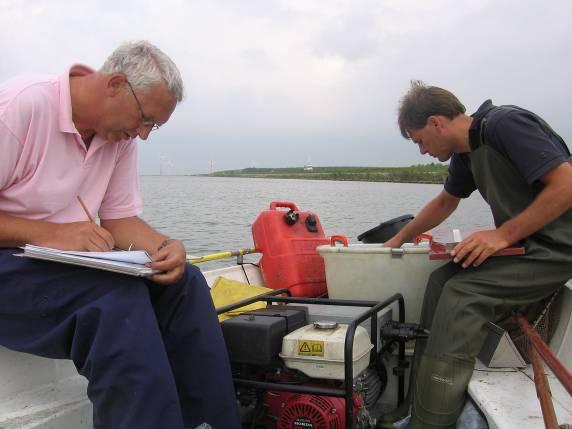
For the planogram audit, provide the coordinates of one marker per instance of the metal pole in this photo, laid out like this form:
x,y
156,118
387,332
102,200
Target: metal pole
x,y
559,370
543,391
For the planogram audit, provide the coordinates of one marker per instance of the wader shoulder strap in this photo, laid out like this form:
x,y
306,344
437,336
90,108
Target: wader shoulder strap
x,y
543,124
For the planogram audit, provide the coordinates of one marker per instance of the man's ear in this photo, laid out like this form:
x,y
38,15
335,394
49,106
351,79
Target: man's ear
x,y
437,123
434,121
115,83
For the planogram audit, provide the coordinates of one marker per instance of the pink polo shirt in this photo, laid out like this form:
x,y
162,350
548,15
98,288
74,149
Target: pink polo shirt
x,y
44,164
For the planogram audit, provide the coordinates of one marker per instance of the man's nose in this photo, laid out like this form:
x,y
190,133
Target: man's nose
x,y
143,132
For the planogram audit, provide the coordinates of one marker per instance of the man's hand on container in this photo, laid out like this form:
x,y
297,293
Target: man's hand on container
x,y
393,242
477,247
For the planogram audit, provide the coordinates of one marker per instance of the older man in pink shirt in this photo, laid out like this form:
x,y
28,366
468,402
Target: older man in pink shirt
x,y
151,349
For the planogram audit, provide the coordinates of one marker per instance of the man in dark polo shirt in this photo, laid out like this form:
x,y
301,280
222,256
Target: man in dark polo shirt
x,y
521,168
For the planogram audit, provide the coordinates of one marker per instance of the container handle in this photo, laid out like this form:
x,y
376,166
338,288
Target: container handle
x,y
420,237
339,239
275,204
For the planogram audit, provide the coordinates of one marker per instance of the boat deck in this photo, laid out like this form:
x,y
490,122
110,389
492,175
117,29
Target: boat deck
x,y
508,397
40,393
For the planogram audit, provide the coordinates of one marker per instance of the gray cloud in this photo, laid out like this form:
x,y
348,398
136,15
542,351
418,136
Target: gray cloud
x,y
275,82
351,37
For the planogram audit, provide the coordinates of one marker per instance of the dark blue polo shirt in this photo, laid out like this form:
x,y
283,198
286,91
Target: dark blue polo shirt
x,y
518,135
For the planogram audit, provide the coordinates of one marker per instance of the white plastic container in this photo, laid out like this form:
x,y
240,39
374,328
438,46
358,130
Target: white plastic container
x,y
319,353
372,272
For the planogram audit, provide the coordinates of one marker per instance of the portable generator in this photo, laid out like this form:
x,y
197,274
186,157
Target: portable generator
x,y
309,362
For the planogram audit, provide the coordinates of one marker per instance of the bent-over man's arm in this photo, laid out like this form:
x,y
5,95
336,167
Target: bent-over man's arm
x,y
435,212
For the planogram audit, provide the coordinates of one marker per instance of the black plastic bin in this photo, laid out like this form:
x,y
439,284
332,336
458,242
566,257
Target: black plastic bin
x,y
385,230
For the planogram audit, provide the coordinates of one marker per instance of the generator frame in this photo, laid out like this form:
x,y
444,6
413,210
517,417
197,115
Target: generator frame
x,y
346,392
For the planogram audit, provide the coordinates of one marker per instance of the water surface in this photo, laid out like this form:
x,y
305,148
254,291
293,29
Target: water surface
x,y
212,214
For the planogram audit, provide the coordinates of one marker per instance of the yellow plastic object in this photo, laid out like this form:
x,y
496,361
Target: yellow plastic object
x,y
225,292
221,255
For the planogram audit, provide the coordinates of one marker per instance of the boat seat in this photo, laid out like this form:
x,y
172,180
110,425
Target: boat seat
x,y
507,396
41,393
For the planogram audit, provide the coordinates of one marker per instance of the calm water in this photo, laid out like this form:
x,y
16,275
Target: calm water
x,y
215,214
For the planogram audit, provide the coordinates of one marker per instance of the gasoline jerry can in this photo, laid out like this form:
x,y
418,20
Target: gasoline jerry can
x,y
288,241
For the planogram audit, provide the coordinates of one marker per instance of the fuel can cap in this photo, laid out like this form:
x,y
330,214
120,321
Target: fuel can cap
x,y
325,324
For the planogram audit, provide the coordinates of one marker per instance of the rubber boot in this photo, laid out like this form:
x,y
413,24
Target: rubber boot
x,y
440,389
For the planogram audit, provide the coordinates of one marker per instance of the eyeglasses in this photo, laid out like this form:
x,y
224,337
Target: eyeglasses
x,y
149,123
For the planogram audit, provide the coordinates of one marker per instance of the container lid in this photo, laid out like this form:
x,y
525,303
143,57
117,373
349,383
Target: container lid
x,y
407,248
325,324
385,230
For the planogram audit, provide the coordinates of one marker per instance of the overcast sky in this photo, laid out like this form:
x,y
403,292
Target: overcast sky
x,y
277,83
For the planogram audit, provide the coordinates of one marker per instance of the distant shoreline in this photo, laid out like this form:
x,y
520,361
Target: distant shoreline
x,y
428,173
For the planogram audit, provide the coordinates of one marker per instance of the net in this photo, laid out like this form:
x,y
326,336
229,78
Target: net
x,y
543,316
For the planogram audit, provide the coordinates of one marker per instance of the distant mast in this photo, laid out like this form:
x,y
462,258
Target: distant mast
x,y
212,168
308,165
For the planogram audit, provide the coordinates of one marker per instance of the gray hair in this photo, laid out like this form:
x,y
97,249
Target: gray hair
x,y
145,65
422,101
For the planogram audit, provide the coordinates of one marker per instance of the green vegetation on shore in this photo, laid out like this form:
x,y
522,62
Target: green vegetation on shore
x,y
427,173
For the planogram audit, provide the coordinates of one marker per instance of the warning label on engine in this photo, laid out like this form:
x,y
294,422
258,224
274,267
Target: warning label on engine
x,y
310,348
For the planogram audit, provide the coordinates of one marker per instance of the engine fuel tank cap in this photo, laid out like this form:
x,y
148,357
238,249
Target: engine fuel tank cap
x,y
325,324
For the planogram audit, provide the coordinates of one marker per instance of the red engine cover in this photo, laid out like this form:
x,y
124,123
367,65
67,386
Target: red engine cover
x,y
289,256
288,410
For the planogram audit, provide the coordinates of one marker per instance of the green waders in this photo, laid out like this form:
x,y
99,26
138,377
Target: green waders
x,y
459,302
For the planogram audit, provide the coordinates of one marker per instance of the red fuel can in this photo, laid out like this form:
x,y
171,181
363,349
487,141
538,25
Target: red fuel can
x,y
288,241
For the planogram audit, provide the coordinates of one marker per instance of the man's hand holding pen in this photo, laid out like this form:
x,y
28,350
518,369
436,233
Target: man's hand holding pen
x,y
82,236
169,258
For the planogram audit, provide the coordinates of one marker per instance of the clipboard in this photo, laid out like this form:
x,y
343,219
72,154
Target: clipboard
x,y
122,262
442,242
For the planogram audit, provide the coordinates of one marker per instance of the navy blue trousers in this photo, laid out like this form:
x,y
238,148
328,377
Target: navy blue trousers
x,y
154,355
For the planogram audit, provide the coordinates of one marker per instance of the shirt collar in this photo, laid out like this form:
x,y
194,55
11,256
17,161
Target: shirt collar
x,y
65,113
475,128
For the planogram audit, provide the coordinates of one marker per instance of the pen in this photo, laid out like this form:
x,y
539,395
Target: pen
x,y
85,209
